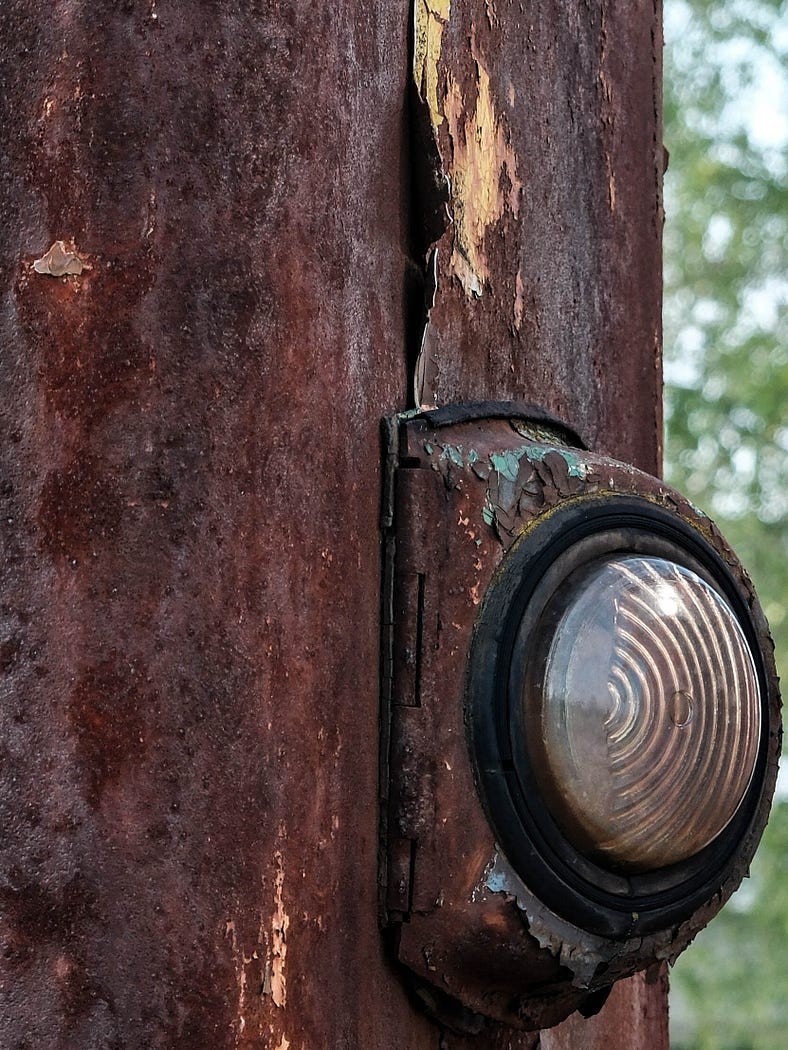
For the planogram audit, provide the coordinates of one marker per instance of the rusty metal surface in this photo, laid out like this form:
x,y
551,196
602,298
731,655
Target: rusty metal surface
x,y
190,473
546,120
539,127
634,1015
190,497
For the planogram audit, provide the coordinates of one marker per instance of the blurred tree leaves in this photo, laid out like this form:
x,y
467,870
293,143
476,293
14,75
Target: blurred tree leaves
x,y
726,367
729,989
726,276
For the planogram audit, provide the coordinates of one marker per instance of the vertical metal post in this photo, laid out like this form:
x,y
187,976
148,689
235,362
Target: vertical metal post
x,y
192,382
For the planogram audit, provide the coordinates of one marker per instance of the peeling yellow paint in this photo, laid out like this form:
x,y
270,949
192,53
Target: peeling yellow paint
x,y
481,155
240,962
611,183
60,261
279,927
430,18
284,1044
519,301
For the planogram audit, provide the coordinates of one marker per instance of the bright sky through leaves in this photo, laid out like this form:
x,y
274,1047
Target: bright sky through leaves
x,y
726,367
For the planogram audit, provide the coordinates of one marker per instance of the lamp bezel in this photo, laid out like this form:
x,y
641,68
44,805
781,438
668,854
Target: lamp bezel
x,y
592,895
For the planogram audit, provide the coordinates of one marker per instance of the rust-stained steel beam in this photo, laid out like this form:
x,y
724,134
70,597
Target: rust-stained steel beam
x,y
207,229
190,489
546,185
539,218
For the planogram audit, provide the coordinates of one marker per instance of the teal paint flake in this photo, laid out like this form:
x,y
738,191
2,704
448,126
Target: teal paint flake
x,y
453,454
488,514
496,882
537,453
698,511
507,464
473,456
575,467
428,448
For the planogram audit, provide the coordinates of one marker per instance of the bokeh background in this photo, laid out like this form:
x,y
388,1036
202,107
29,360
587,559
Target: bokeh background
x,y
726,400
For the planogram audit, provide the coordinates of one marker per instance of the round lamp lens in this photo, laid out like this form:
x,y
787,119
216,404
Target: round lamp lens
x,y
642,712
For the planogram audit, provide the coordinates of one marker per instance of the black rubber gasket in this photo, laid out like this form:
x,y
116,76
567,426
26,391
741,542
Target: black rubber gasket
x,y
468,412
594,897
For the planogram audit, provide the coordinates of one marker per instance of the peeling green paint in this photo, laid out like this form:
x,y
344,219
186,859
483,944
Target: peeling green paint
x,y
508,463
454,454
576,468
509,474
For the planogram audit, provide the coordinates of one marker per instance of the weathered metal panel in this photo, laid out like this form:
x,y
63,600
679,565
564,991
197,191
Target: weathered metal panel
x,y
190,475
635,1015
541,225
546,119
190,484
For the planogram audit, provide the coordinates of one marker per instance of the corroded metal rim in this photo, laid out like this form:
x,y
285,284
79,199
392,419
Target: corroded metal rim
x,y
594,896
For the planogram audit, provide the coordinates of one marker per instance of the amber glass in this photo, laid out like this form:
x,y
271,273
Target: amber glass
x,y
642,712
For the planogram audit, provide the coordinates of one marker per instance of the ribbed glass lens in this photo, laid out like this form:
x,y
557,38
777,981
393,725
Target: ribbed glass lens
x,y
642,712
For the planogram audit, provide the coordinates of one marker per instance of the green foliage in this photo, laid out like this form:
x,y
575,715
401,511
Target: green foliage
x,y
729,991
726,278
726,359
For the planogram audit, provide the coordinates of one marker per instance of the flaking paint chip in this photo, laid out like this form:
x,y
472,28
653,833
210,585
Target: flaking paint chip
x,y
59,262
